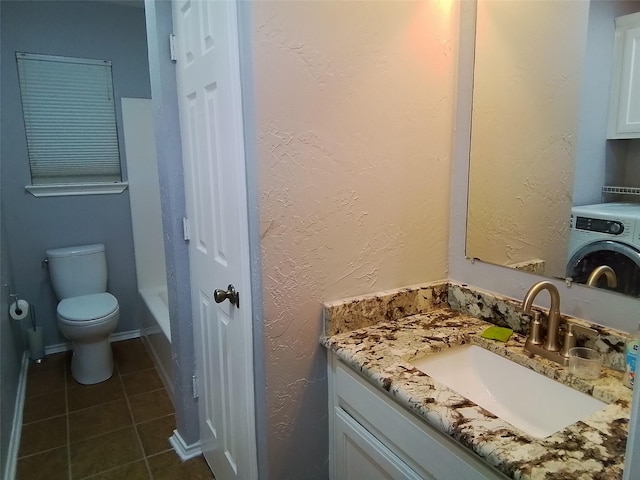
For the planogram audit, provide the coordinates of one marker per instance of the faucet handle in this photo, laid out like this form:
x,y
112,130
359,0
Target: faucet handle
x,y
580,330
535,332
571,329
569,340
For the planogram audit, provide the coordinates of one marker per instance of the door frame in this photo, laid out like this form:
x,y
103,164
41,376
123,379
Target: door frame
x,y
185,439
253,217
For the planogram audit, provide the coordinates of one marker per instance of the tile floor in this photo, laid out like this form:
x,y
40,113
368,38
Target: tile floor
x,y
118,429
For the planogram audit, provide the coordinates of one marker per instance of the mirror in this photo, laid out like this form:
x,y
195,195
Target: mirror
x,y
542,82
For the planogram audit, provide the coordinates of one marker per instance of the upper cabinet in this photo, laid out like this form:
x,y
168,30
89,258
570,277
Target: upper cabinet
x,y
624,112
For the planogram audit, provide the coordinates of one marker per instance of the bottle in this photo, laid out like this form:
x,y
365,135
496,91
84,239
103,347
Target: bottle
x,y
631,347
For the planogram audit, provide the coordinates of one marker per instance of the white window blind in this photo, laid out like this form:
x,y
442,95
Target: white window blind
x,y
70,121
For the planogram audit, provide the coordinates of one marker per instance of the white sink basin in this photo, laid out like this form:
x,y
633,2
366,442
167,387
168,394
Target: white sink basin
x,y
527,400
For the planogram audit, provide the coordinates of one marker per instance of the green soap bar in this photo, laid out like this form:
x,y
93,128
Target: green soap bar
x,y
497,333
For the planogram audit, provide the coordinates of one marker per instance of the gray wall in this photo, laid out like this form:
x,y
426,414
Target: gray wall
x,y
10,343
77,29
10,350
172,200
10,347
598,161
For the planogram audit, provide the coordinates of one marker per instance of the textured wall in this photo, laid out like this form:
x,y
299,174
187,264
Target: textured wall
x,y
354,124
524,125
77,29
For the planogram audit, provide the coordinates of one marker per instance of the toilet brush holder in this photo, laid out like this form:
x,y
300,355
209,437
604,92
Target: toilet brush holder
x,y
36,344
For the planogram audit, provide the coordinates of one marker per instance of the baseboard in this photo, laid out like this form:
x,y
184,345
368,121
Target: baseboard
x,y
121,336
115,337
155,329
16,429
184,451
57,348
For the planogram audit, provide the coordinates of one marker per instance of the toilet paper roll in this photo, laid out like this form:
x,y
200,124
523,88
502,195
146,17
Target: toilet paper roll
x,y
20,310
36,343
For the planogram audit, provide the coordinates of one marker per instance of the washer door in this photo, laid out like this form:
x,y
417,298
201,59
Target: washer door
x,y
622,258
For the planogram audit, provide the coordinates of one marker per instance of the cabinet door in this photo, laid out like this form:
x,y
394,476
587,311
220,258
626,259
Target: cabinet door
x,y
359,455
624,117
629,107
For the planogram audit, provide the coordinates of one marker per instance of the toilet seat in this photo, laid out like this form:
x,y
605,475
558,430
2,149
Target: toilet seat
x,y
88,309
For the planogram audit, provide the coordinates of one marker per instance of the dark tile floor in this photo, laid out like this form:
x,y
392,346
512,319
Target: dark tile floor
x,y
118,429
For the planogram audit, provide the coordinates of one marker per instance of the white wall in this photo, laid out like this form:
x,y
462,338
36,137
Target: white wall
x,y
354,104
144,192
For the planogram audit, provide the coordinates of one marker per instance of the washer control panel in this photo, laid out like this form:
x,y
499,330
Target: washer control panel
x,y
611,227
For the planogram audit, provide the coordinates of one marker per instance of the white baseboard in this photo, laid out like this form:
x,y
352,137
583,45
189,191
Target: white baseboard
x,y
16,429
151,330
57,348
184,451
121,336
115,337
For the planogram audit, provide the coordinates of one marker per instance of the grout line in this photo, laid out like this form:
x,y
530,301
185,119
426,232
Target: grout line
x,y
150,391
67,387
43,420
135,427
66,405
156,418
138,371
42,451
73,412
101,434
112,469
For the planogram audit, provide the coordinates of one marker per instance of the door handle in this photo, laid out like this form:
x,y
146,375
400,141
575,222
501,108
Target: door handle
x,y
230,294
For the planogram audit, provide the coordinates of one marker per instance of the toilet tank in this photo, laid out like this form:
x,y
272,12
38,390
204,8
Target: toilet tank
x,y
76,271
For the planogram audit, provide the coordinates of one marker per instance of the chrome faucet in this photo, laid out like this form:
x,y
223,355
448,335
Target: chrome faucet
x,y
607,271
551,343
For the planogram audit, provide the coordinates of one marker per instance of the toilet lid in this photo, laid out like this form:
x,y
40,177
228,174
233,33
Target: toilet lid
x,y
87,307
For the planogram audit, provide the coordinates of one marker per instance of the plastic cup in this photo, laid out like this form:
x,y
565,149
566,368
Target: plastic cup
x,y
585,362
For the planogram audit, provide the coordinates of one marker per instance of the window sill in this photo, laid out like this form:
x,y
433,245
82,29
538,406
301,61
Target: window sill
x,y
69,189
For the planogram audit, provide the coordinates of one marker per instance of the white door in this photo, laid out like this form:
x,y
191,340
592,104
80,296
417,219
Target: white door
x,y
209,100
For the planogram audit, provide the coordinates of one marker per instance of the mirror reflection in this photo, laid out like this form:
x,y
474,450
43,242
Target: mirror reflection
x,y
555,143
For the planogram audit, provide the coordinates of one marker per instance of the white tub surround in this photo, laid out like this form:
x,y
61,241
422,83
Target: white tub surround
x,y
157,302
148,238
397,327
146,216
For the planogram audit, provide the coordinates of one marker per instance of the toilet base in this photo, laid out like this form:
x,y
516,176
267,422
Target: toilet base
x,y
92,362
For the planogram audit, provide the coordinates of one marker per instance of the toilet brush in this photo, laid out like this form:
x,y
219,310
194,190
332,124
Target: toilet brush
x,y
36,340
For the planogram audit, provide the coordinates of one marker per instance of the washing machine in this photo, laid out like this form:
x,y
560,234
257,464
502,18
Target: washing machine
x,y
606,234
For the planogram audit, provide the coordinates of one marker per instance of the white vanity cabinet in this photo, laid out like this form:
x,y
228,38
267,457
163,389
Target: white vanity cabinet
x,y
624,108
372,437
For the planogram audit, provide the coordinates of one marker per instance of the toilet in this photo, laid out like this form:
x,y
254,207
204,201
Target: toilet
x,y
87,313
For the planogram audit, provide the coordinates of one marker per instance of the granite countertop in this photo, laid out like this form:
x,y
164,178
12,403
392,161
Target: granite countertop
x,y
593,448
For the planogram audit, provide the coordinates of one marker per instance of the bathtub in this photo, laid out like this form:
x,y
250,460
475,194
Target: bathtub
x,y
155,331
157,302
148,243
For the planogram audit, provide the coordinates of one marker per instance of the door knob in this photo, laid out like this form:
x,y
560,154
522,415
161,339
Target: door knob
x,y
230,294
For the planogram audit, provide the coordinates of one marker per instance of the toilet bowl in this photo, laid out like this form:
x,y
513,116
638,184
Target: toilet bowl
x,y
87,314
88,321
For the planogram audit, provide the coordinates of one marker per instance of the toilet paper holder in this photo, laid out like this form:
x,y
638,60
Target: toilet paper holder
x,y
16,299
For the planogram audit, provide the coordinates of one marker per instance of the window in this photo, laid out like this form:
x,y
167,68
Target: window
x,y
70,123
